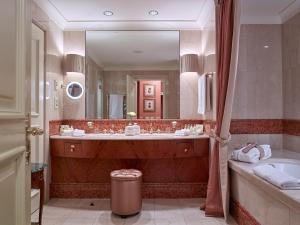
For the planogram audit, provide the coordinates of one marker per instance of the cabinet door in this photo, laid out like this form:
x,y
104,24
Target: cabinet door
x,y
184,149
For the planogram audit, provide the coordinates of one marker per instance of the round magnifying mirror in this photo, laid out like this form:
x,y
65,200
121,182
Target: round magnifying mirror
x,y
74,90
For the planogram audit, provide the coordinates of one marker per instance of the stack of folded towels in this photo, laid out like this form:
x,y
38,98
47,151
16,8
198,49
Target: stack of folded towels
x,y
78,133
276,177
252,153
183,132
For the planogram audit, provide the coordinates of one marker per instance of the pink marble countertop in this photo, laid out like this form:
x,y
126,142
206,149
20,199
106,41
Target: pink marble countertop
x,y
289,197
161,136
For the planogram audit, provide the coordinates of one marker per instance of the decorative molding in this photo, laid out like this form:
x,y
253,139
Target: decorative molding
x,y
150,190
241,215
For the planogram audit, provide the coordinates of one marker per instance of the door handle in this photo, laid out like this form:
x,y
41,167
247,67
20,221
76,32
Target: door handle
x,y
35,131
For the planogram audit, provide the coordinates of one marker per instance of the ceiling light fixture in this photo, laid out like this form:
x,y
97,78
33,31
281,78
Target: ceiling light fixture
x,y
108,13
153,12
137,51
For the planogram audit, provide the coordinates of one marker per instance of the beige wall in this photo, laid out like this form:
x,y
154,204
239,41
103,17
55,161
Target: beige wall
x,y
258,93
54,53
291,78
190,43
74,43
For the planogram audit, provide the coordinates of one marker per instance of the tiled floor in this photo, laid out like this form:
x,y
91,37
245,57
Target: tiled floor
x,y
154,212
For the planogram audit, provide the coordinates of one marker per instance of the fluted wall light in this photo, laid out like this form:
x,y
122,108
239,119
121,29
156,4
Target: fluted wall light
x,y
74,63
190,63
210,63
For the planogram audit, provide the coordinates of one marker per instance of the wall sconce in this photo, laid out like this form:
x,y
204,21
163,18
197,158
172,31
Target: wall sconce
x,y
190,63
74,63
210,63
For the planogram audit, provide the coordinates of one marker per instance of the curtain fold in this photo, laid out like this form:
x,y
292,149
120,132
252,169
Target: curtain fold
x,y
227,33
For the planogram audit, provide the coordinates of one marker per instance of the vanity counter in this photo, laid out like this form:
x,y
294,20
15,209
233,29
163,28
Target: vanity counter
x,y
161,136
172,166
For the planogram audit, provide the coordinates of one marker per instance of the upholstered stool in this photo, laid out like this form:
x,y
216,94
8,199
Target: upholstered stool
x,y
126,192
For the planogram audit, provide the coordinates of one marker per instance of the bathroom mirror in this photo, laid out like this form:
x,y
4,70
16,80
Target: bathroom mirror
x,y
74,90
132,71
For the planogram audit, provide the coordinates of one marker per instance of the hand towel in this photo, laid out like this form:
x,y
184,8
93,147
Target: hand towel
x,y
276,177
208,93
252,155
201,94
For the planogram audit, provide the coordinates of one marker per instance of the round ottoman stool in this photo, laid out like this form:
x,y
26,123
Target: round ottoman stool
x,y
126,192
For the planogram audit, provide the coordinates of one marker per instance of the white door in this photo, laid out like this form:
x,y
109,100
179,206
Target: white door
x,y
15,26
37,93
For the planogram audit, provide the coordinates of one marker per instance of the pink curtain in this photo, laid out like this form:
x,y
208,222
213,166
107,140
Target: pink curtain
x,y
225,21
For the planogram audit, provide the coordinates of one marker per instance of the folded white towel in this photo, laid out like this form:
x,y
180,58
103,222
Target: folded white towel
x,y
78,133
182,132
253,155
276,177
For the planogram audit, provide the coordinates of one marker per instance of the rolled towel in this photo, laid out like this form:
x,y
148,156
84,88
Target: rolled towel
x,y
276,177
252,153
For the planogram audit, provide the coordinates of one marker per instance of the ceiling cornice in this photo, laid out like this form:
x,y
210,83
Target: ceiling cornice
x,y
282,16
290,11
52,13
203,18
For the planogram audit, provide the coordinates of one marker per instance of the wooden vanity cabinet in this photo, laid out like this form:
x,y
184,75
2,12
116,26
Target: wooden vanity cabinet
x,y
80,167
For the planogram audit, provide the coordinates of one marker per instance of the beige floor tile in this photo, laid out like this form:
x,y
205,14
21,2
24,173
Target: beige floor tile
x,y
108,218
154,212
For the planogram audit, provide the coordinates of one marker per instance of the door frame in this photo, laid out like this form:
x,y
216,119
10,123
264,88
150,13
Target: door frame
x,y
36,23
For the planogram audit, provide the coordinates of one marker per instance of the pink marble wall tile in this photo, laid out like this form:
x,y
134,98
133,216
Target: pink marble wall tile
x,y
119,125
241,215
256,126
291,127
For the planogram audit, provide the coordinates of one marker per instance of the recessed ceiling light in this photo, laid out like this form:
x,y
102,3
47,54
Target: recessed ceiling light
x,y
108,13
153,12
266,46
137,51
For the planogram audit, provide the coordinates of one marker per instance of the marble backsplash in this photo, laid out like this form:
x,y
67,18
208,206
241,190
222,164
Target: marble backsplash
x,y
102,126
243,126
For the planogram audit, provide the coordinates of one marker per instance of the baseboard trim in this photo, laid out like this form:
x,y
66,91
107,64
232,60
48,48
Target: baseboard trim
x,y
150,190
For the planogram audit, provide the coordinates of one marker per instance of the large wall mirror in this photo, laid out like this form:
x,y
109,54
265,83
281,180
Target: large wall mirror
x,y
132,71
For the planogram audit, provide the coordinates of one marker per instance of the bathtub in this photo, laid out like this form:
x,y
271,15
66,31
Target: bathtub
x,y
258,199
288,166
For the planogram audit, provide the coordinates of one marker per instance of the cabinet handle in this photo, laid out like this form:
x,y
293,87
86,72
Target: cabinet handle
x,y
72,148
186,150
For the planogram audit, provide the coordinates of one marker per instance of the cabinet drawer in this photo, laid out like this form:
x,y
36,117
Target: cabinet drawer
x,y
73,150
184,149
